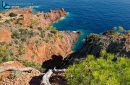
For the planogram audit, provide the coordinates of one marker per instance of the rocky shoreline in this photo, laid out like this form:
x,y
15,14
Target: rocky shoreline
x,y
28,17
112,41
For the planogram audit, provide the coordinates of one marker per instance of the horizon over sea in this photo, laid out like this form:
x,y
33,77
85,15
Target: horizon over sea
x,y
87,16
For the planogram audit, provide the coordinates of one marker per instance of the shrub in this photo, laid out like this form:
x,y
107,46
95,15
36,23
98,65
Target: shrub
x,y
42,33
5,59
60,37
40,41
33,64
100,71
35,22
21,49
103,53
7,21
6,54
119,28
93,37
12,14
14,74
53,29
46,41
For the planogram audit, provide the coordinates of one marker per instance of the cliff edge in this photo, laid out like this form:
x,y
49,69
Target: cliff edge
x,y
116,42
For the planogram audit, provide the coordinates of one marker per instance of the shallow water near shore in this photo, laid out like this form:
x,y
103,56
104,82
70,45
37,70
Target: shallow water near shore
x,y
87,16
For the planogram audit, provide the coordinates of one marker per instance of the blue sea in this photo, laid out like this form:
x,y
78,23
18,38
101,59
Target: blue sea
x,y
87,16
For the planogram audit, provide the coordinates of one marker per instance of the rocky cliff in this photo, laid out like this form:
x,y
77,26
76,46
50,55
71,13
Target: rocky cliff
x,y
27,39
27,17
32,32
112,41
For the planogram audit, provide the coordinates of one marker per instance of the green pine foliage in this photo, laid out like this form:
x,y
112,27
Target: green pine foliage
x,y
53,29
105,70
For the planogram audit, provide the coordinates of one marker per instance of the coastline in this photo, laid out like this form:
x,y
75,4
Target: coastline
x,y
82,35
38,22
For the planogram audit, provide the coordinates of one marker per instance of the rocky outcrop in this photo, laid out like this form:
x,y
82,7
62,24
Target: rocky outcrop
x,y
27,77
28,18
54,47
111,41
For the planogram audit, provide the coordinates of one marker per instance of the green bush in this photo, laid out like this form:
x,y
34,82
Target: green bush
x,y
21,49
35,22
53,29
14,74
103,53
6,54
105,70
120,28
60,37
12,14
42,33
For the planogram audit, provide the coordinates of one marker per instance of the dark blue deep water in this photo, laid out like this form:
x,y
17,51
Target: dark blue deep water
x,y
87,16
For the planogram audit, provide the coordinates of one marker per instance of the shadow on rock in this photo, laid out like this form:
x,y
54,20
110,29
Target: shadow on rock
x,y
55,62
58,80
36,80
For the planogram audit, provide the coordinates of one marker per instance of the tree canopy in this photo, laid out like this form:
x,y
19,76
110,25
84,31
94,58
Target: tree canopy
x,y
105,70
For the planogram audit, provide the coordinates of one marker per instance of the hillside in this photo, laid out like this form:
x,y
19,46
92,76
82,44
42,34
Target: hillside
x,y
27,39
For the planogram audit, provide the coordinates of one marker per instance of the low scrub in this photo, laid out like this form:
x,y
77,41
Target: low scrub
x,y
6,54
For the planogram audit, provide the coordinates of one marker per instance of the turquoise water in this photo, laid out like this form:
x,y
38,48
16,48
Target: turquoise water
x,y
88,16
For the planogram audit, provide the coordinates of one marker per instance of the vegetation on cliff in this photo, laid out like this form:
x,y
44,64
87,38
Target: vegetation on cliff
x,y
113,41
31,37
6,54
105,70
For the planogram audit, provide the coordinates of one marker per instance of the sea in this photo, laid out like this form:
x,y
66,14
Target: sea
x,y
86,16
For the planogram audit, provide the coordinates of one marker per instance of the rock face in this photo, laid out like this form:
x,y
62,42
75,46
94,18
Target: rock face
x,y
5,35
111,41
16,77
55,47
